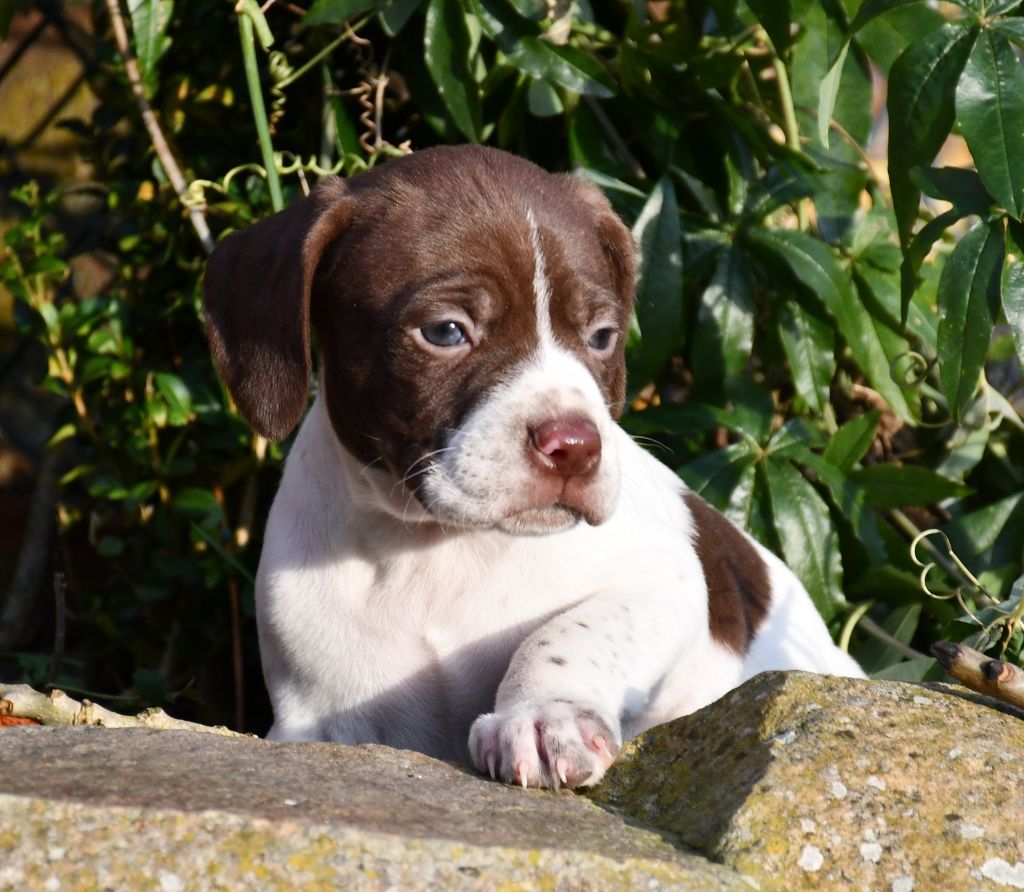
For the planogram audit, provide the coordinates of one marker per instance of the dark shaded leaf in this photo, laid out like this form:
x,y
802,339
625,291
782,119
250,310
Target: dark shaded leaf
x,y
334,12
962,188
395,15
916,253
7,10
659,282
922,109
774,16
969,305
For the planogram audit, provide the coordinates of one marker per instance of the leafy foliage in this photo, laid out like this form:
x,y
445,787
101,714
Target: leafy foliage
x,y
826,364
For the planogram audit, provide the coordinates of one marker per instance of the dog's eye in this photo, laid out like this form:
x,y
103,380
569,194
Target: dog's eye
x,y
602,339
444,334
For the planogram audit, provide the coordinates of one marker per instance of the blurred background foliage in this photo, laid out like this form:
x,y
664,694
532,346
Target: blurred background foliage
x,y
828,336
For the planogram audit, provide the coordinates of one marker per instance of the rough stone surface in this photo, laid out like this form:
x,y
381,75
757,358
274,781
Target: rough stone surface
x,y
799,781
91,808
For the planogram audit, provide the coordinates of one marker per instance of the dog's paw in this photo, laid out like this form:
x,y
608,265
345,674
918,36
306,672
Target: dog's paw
x,y
544,745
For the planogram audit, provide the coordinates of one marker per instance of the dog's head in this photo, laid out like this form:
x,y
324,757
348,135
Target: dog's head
x,y
470,311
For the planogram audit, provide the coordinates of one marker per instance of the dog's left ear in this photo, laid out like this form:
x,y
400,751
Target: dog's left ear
x,y
256,294
616,239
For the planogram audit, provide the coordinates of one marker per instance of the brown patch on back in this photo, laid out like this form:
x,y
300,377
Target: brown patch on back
x,y
739,592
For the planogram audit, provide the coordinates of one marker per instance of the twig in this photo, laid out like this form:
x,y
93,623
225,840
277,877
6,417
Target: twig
x,y
58,708
60,598
876,631
615,138
156,136
996,678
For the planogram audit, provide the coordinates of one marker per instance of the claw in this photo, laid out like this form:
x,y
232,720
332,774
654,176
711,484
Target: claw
x,y
561,764
522,774
491,765
601,745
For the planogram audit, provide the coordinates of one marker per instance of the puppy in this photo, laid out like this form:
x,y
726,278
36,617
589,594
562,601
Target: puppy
x,y
467,556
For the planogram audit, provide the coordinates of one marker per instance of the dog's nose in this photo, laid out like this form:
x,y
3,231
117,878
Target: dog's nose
x,y
568,447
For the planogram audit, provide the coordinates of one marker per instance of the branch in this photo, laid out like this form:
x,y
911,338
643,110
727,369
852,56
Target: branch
x,y
156,136
996,678
21,701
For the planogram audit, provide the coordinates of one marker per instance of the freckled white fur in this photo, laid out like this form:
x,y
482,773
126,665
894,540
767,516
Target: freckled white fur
x,y
377,626
382,621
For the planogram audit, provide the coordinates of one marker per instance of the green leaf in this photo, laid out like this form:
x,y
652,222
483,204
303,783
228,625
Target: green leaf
x,y
149,37
809,344
809,542
7,10
689,419
827,94
962,188
543,100
988,8
196,502
995,531
1012,28
892,486
921,107
446,45
334,12
716,474
849,498
990,112
851,442
572,68
909,670
659,282
829,90
774,15
150,685
177,395
1013,285
395,15
813,266
725,320
871,9
968,301
917,252
901,624
110,546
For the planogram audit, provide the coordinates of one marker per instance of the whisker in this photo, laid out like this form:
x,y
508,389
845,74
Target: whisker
x,y
410,474
640,440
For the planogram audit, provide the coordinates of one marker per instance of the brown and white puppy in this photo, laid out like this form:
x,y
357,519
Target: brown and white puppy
x,y
467,556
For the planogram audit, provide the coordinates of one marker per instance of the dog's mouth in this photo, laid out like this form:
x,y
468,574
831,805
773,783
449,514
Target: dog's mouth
x,y
542,520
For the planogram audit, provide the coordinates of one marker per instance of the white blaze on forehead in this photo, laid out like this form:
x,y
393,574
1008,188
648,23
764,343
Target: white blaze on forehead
x,y
541,285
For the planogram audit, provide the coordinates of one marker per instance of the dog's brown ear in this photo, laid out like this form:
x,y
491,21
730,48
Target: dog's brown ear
x,y
256,295
616,239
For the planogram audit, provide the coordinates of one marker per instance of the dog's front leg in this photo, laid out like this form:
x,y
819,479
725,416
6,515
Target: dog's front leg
x,y
557,718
